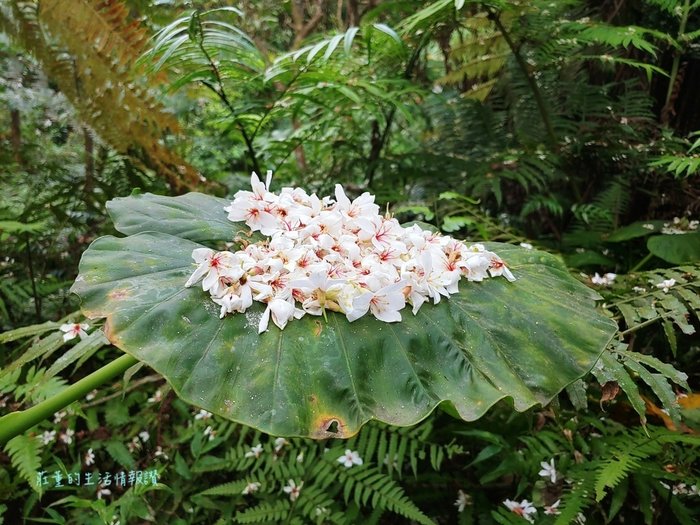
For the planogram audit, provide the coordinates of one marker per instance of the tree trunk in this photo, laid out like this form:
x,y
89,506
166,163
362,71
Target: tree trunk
x,y
16,134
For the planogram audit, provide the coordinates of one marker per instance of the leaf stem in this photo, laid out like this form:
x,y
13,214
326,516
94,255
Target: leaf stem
x,y
641,263
539,99
221,93
643,324
376,151
677,56
15,423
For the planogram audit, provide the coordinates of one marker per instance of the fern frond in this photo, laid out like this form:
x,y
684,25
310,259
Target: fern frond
x,y
25,455
370,485
265,512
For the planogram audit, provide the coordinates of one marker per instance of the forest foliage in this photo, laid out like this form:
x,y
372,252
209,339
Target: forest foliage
x,y
571,127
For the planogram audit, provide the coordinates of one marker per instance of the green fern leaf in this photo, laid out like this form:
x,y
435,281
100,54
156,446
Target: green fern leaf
x,y
25,455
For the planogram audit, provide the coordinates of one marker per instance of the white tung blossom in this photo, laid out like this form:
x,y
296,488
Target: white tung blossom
x,y
73,330
67,436
548,470
350,458
333,254
251,487
463,500
255,451
48,436
89,457
523,509
603,280
293,489
666,284
553,509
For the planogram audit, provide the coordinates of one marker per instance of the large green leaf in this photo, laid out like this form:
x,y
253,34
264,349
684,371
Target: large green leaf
x,y
193,216
676,249
523,341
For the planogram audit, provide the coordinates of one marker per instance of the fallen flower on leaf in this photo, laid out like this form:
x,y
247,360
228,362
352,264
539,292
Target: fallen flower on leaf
x,y
338,255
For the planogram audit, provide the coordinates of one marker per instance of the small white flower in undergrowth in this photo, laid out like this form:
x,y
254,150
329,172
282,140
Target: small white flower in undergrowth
x,y
666,284
209,431
89,457
639,289
548,470
526,245
91,395
300,457
394,462
293,489
648,226
251,487
157,397
202,414
134,444
144,435
523,509
463,499
255,451
553,509
320,511
604,280
102,491
279,443
159,453
47,437
67,436
73,330
350,458
58,417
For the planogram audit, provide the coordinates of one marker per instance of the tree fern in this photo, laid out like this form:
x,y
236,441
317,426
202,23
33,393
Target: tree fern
x,y
79,49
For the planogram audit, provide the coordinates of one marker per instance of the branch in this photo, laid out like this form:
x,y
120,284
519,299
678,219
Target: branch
x,y
221,93
301,29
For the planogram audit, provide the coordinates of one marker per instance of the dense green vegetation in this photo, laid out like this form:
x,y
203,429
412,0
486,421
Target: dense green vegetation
x,y
570,126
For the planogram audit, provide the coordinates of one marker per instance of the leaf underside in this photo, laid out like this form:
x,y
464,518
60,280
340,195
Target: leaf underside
x,y
524,341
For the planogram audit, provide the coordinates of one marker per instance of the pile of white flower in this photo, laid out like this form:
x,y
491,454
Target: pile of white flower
x,y
338,255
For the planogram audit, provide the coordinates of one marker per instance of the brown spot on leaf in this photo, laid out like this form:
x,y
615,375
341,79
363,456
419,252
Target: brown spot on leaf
x,y
109,333
326,426
318,328
118,295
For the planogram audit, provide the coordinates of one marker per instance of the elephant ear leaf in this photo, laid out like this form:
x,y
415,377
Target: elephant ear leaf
x,y
194,216
523,341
